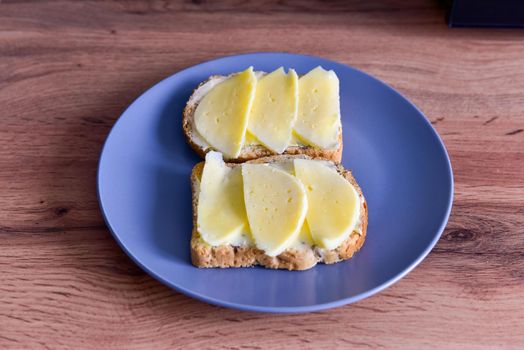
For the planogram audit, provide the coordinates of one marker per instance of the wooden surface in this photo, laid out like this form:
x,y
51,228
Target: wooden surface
x,y
67,71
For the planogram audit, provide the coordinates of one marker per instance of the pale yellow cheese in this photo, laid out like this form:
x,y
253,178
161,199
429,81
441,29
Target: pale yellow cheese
x,y
250,139
318,121
274,109
222,114
276,206
333,203
221,210
304,236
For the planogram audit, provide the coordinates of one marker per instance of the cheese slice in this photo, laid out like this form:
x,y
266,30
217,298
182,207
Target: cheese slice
x,y
276,206
333,203
274,109
304,236
221,117
221,211
318,121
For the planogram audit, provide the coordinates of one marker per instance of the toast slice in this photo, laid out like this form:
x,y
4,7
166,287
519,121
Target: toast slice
x,y
249,151
204,255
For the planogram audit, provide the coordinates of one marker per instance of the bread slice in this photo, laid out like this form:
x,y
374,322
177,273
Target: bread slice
x,y
204,255
248,152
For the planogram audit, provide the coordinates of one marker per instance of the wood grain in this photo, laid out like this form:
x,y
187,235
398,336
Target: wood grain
x,y
67,71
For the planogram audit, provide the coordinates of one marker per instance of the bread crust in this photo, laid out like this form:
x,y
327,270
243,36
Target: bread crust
x,y
204,255
250,152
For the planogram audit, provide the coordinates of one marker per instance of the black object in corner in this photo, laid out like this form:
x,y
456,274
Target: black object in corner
x,y
486,13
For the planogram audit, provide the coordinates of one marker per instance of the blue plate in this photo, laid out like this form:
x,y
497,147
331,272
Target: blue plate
x,y
394,152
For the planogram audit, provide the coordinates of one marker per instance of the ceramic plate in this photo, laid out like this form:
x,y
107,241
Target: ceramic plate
x,y
394,152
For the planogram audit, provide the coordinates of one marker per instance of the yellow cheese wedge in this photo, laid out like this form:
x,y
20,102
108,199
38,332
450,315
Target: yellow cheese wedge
x,y
221,117
274,109
276,206
221,211
318,121
304,237
333,203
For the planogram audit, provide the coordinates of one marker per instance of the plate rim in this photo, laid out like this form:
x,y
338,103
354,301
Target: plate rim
x,y
284,309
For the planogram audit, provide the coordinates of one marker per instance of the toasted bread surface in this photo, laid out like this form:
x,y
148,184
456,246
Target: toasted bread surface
x,y
249,152
204,255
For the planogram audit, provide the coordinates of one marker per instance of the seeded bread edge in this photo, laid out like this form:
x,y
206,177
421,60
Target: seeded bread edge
x,y
252,151
224,256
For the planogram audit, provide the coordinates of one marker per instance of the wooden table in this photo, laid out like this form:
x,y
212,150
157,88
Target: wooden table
x,y
68,70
